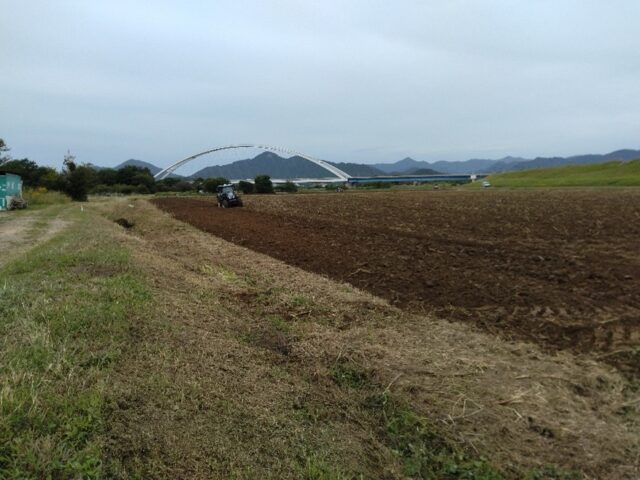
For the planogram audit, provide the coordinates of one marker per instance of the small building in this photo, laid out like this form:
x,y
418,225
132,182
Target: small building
x,y
10,188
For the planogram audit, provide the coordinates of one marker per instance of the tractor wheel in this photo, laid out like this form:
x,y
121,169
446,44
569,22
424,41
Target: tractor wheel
x,y
240,203
225,203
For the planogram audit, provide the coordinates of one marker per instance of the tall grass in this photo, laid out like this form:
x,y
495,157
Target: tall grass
x,y
42,196
615,173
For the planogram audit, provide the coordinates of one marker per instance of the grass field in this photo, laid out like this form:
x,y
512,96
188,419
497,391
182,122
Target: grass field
x,y
161,351
618,174
65,310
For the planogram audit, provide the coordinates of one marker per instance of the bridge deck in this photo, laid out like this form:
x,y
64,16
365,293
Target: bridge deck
x,y
415,178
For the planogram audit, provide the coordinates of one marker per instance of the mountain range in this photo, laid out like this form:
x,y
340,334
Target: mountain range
x,y
280,167
297,167
410,166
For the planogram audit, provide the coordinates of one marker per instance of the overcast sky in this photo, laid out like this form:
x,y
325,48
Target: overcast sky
x,y
362,80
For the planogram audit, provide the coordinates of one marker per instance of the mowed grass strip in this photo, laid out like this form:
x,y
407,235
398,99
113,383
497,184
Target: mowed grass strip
x,y
609,174
65,309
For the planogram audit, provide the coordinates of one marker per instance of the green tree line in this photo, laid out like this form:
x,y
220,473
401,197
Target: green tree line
x,y
80,180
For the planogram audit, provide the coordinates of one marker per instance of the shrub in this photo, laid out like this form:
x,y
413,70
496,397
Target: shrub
x,y
246,187
263,184
288,187
211,184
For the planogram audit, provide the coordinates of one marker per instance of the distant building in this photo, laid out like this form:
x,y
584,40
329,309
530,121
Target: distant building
x,y
10,188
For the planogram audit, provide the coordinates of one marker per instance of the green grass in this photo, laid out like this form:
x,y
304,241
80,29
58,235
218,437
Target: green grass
x,y
347,375
426,453
318,469
619,174
64,315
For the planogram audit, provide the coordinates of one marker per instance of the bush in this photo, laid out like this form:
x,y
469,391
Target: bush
x,y
246,187
263,184
123,189
101,189
288,187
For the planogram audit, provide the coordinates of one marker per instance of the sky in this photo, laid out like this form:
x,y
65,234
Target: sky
x,y
345,80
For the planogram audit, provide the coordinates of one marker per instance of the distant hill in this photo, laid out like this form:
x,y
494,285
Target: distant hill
x,y
401,166
550,162
424,171
507,164
358,169
279,167
613,173
410,166
139,163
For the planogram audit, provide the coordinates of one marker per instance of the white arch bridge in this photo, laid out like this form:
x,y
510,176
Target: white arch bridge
x,y
326,165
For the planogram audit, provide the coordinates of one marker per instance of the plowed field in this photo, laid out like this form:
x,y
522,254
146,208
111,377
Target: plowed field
x,y
561,268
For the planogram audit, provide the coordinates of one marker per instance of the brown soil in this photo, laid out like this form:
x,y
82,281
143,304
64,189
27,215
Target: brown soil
x,y
561,268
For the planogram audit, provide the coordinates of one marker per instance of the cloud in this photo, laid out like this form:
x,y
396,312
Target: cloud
x,y
363,81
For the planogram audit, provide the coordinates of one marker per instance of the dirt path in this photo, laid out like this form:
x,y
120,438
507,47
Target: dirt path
x,y
234,376
22,231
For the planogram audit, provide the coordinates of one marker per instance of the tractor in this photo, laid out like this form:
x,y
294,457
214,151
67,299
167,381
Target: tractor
x,y
227,196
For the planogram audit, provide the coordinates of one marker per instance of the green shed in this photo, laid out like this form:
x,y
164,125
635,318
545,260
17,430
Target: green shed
x,y
10,188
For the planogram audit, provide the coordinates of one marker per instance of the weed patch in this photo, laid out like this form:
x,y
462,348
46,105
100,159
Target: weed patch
x,y
42,197
424,452
346,375
317,469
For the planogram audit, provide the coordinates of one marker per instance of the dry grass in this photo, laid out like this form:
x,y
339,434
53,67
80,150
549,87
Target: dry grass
x,y
24,229
234,375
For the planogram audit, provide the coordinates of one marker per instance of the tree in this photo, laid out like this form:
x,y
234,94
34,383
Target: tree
x,y
78,182
167,184
77,179
3,150
263,184
182,186
132,175
211,184
145,180
107,176
246,187
32,175
27,169
50,179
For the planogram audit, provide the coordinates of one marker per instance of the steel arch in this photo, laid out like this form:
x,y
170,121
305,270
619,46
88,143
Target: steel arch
x,y
327,166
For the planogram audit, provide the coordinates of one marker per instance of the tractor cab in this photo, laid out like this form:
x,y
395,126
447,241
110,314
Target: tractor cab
x,y
227,196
